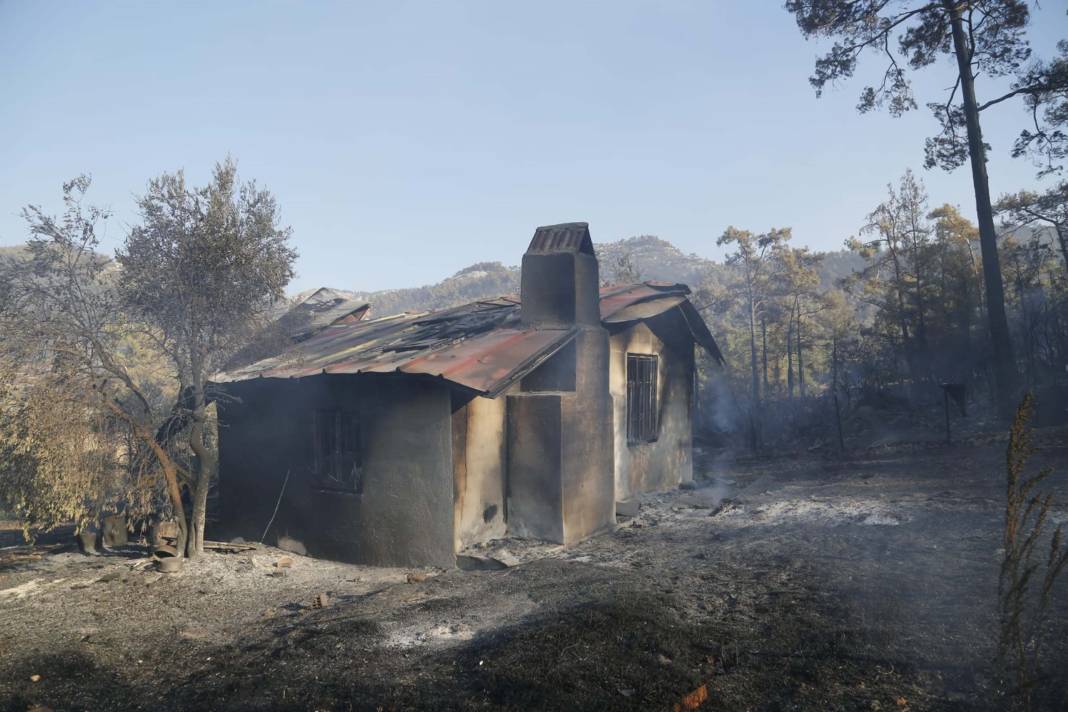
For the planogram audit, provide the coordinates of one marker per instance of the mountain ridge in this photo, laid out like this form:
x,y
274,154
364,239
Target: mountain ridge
x,y
639,258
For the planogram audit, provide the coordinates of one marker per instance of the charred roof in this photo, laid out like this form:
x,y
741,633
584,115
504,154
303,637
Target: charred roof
x,y
482,346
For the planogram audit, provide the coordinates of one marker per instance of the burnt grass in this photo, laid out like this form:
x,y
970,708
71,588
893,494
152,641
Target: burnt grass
x,y
859,584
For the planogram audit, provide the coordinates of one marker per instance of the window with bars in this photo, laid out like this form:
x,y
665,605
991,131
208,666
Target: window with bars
x,y
641,398
338,460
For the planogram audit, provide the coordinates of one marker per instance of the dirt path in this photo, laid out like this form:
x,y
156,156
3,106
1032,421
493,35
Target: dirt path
x,y
818,584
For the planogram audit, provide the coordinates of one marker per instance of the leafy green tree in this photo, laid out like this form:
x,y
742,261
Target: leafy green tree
x,y
80,399
797,284
986,38
191,283
752,261
896,277
200,269
1051,207
957,274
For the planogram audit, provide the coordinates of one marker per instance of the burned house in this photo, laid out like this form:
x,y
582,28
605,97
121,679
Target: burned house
x,y
404,439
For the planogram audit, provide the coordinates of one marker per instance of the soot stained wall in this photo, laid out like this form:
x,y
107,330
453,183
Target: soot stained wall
x,y
404,515
667,462
479,454
560,485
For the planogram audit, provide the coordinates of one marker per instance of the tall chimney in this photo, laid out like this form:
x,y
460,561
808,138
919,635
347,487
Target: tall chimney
x,y
561,481
559,284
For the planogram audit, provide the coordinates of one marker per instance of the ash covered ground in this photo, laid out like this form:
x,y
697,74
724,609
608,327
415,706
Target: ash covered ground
x,y
801,582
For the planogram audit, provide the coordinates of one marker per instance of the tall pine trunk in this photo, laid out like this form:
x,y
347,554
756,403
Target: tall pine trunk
x,y
764,349
800,357
1000,340
1062,239
754,413
790,351
753,352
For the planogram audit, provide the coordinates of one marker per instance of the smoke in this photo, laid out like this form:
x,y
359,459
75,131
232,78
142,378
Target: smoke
x,y
717,407
720,485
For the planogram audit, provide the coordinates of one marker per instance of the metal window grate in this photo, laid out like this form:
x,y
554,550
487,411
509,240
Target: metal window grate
x,y
642,409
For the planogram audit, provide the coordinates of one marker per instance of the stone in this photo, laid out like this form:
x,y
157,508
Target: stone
x,y
286,543
506,557
478,563
87,542
628,508
113,534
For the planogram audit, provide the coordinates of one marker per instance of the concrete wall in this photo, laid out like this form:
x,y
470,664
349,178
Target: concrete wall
x,y
535,491
404,515
665,463
559,484
589,503
479,453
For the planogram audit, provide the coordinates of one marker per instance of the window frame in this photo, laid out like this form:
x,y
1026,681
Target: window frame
x,y
643,401
337,451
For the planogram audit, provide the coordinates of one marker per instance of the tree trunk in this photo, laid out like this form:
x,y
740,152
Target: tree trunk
x,y
834,392
1028,323
206,458
753,352
1001,342
207,464
800,357
790,355
764,350
1063,240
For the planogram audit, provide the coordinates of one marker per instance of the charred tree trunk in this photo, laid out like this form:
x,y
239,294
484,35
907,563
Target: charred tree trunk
x,y
206,466
753,352
790,354
205,472
800,357
1062,239
1028,326
1001,342
764,349
834,392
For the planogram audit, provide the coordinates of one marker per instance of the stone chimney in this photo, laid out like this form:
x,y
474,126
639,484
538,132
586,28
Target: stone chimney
x,y
559,284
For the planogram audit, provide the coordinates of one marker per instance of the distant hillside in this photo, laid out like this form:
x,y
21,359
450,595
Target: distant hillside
x,y
647,256
479,281
12,251
652,258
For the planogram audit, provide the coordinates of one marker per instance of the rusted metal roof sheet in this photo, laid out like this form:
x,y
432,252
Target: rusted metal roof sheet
x,y
635,302
482,346
617,297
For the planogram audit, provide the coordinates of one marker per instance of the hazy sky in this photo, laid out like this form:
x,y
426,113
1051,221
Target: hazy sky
x,y
406,140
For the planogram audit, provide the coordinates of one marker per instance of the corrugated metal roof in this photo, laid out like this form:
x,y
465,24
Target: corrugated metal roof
x,y
616,298
635,302
482,346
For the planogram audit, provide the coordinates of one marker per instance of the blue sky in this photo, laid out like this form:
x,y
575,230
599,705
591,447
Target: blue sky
x,y
406,140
